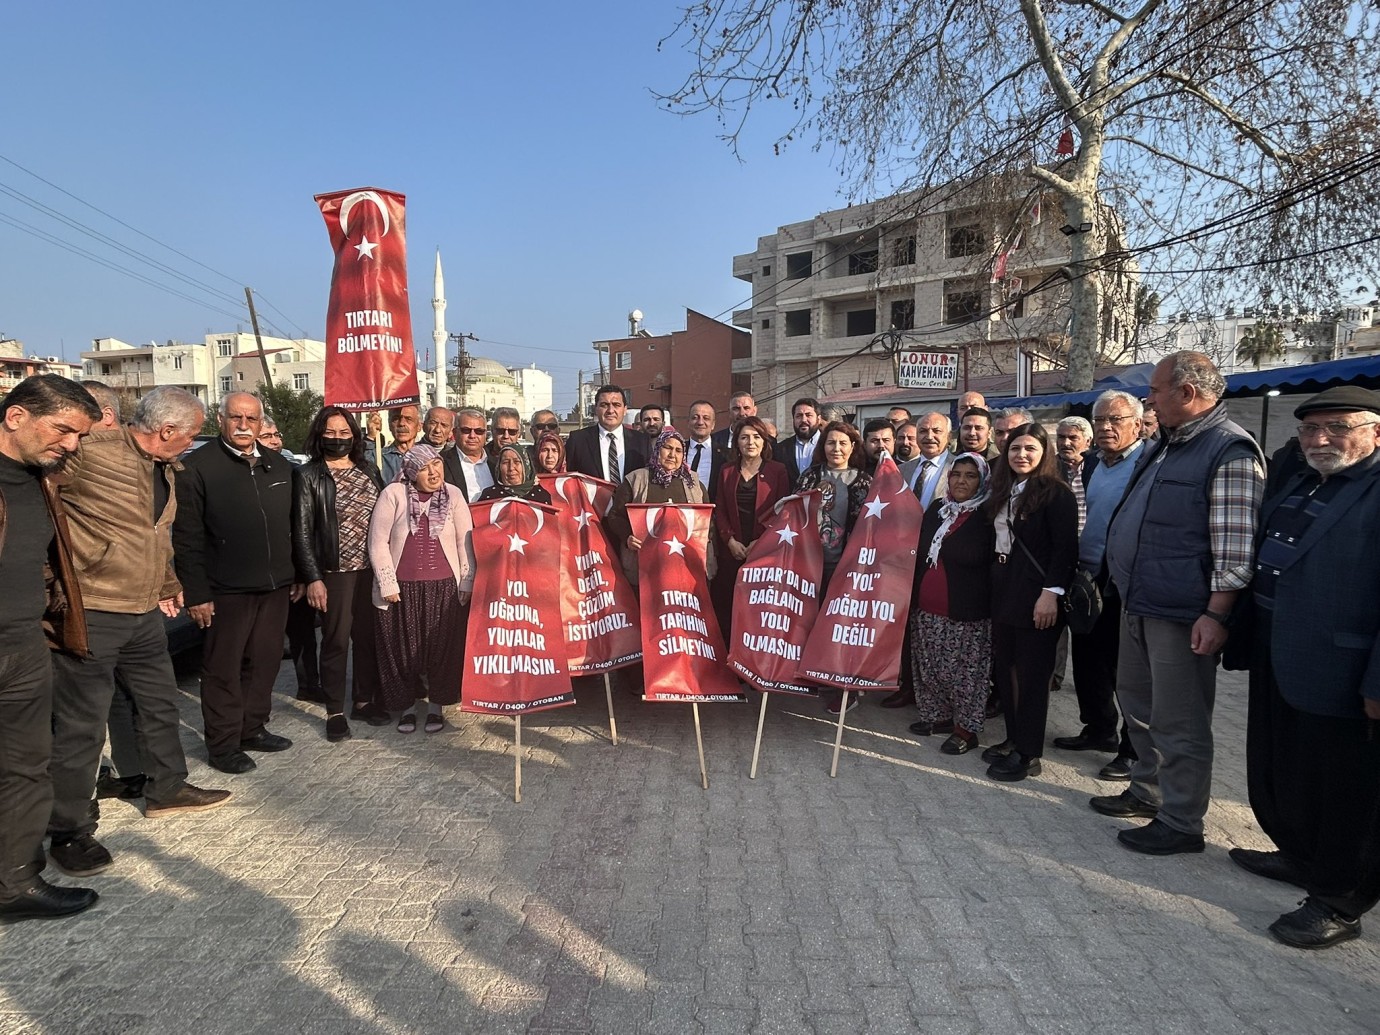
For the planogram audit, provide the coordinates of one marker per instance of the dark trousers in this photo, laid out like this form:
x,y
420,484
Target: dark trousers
x,y
1314,786
82,689
26,737
1022,661
240,661
302,648
127,751
1094,674
348,619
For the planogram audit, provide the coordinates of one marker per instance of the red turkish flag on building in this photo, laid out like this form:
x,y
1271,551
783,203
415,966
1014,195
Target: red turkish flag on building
x,y
370,364
599,608
856,641
777,598
515,661
682,648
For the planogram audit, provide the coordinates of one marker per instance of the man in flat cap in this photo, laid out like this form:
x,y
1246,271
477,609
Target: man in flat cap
x,y
1313,735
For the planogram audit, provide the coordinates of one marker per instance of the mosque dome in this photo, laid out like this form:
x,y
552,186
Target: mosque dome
x,y
481,368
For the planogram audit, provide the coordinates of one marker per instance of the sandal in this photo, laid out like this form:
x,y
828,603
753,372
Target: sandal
x,y
408,723
435,722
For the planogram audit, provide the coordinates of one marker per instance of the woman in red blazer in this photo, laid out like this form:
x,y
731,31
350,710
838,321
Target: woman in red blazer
x,y
750,485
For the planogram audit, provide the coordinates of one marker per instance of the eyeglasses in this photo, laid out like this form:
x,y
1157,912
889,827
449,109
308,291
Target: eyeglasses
x,y
470,431
506,432
553,426
1333,429
1102,422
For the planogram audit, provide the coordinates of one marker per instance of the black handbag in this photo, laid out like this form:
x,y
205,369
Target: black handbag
x,y
1082,600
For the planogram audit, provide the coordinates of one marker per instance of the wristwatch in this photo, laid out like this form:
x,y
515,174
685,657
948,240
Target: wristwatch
x,y
1223,620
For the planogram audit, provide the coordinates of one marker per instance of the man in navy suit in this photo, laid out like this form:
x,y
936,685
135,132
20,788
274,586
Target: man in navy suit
x,y
701,454
798,451
1313,734
607,450
740,405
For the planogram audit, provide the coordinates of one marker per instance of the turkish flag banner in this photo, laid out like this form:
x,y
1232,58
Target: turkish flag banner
x,y
514,665
370,364
856,642
776,599
598,606
682,647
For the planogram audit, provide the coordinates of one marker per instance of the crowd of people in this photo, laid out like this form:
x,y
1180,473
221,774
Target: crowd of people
x,y
106,527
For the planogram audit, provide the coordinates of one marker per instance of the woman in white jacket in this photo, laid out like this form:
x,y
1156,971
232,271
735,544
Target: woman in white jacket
x,y
423,560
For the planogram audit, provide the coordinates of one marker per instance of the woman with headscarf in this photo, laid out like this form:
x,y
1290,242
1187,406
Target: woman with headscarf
x,y
516,479
950,615
334,494
548,455
665,479
1035,517
423,561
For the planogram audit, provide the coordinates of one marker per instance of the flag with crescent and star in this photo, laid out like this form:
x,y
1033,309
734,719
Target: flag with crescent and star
x,y
776,599
856,641
598,606
683,657
516,657
370,363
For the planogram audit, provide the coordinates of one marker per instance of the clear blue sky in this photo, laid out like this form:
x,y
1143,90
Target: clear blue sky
x,y
525,137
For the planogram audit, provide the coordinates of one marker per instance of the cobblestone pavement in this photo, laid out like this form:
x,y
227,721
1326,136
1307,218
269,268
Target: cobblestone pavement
x,y
390,884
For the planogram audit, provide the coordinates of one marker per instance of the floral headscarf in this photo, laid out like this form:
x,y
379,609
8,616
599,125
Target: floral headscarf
x,y
659,474
951,509
437,508
546,437
529,477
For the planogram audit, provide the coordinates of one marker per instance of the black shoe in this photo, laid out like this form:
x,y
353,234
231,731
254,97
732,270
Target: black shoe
x,y
993,707
1315,926
337,728
371,714
898,699
79,856
41,900
266,741
1124,806
232,762
188,798
1088,741
128,788
1014,767
1118,769
314,694
1158,838
924,729
997,752
958,744
1274,865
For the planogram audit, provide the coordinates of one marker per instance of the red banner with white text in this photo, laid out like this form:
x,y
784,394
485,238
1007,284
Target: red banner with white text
x,y
856,642
682,648
515,657
370,364
776,599
599,609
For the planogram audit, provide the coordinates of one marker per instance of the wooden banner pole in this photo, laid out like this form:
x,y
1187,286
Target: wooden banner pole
x,y
838,735
757,744
608,696
699,743
517,758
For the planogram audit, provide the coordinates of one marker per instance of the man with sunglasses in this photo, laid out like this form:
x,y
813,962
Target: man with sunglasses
x,y
544,422
467,465
1313,733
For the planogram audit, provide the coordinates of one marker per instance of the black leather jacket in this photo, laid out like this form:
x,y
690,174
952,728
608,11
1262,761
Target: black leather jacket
x,y
315,534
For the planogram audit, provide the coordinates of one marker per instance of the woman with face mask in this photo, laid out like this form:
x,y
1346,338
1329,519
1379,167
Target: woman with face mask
x,y
334,494
423,559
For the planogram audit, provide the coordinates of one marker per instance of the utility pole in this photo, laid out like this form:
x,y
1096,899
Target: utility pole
x,y
258,338
462,360
580,396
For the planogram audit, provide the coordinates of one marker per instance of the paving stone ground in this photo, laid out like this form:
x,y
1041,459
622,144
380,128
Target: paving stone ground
x,y
390,884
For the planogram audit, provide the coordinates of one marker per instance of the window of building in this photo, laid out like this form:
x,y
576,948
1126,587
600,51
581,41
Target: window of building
x,y
177,362
797,323
965,240
963,301
239,375
106,369
903,315
1016,309
766,271
903,251
860,321
766,324
300,382
862,262
799,265
226,385
622,361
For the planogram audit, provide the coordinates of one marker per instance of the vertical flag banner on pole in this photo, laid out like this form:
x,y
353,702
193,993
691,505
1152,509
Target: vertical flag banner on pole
x,y
370,363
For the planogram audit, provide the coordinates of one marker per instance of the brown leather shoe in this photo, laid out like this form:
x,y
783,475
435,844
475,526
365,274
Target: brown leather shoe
x,y
187,798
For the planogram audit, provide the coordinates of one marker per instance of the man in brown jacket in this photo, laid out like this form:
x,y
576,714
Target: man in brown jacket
x,y
120,501
41,422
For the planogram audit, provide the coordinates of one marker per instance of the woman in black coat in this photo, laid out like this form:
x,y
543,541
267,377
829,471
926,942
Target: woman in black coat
x,y
334,494
1035,517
